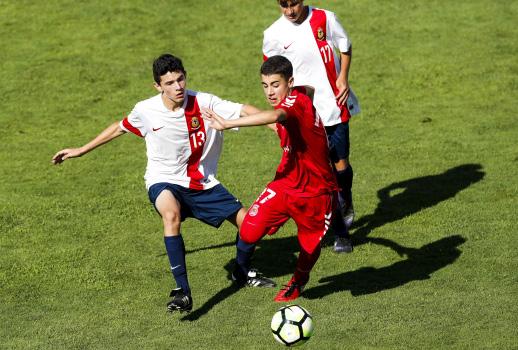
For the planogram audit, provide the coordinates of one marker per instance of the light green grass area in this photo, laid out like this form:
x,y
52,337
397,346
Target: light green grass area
x,y
82,262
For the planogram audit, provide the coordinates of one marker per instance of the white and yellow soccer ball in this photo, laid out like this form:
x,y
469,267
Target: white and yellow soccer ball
x,y
292,325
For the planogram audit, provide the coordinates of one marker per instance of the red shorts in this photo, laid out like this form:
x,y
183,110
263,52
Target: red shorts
x,y
275,206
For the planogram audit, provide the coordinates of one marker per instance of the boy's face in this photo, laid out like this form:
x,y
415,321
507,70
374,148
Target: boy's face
x,y
292,9
276,88
172,85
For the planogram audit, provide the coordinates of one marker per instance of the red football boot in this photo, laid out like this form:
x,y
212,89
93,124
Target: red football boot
x,y
289,292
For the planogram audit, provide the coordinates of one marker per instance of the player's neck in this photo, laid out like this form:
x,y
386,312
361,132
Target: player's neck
x,y
170,104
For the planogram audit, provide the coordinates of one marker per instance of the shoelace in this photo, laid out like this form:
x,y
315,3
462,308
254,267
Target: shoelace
x,y
290,288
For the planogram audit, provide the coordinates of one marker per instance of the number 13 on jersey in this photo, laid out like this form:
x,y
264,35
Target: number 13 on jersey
x,y
197,139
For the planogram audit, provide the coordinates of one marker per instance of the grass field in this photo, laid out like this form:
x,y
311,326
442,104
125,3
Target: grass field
x,y
82,262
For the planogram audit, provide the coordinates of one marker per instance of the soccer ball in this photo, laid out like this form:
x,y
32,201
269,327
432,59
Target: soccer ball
x,y
292,325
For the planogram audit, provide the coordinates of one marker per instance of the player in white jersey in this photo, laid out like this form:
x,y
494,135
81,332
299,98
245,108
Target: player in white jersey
x,y
320,51
183,153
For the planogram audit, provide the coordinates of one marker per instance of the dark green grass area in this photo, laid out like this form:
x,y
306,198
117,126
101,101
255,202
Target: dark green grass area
x,y
82,262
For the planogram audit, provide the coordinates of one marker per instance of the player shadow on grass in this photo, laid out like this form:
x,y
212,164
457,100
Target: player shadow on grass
x,y
419,265
277,257
214,300
273,257
408,197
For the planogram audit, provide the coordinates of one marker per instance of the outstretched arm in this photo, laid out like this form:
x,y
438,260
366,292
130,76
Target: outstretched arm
x,y
261,118
105,136
248,110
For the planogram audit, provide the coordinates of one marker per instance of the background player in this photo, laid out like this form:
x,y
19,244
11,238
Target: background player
x,y
304,184
182,158
308,37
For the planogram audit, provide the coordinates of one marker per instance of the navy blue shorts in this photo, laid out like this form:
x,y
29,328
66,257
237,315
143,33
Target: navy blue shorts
x,y
338,138
212,206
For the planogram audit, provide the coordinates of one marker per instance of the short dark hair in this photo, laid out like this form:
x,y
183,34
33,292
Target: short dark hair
x,y
277,65
166,63
284,3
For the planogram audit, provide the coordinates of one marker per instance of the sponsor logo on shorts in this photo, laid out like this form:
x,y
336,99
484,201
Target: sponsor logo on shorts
x,y
253,210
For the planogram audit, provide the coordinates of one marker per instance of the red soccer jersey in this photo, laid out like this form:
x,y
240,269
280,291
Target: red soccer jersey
x,y
305,168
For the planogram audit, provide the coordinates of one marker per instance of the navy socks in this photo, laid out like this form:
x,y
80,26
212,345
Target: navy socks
x,y
244,254
345,182
176,252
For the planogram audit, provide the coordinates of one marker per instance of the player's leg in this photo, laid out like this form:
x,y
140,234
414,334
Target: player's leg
x,y
305,263
338,136
345,173
344,176
243,250
265,216
243,273
215,205
169,208
313,217
237,218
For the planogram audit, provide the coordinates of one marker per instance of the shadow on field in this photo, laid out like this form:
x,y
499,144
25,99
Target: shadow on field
x,y
214,300
273,257
408,197
419,265
277,257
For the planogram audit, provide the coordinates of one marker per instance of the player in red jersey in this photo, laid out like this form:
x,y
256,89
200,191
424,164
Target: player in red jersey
x,y
304,183
320,51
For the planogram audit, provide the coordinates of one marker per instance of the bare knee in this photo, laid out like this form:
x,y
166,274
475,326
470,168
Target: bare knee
x,y
169,209
171,220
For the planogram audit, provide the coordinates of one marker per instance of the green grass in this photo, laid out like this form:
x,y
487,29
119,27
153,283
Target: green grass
x,y
82,262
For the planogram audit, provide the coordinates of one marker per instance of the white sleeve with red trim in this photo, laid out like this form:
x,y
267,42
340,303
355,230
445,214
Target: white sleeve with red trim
x,y
133,123
226,109
338,35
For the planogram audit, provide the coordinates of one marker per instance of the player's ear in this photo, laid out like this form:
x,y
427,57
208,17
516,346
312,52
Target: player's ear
x,y
157,87
291,82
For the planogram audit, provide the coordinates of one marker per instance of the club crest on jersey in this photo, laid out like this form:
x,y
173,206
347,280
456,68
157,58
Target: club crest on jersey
x,y
253,210
195,123
320,34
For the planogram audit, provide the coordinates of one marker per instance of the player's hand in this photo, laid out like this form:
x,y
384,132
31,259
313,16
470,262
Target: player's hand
x,y
343,91
216,122
272,126
64,154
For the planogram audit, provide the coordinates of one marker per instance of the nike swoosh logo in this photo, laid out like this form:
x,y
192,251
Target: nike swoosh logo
x,y
286,46
174,268
156,129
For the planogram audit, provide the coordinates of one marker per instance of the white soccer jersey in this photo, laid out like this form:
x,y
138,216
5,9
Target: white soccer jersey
x,y
310,48
181,148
